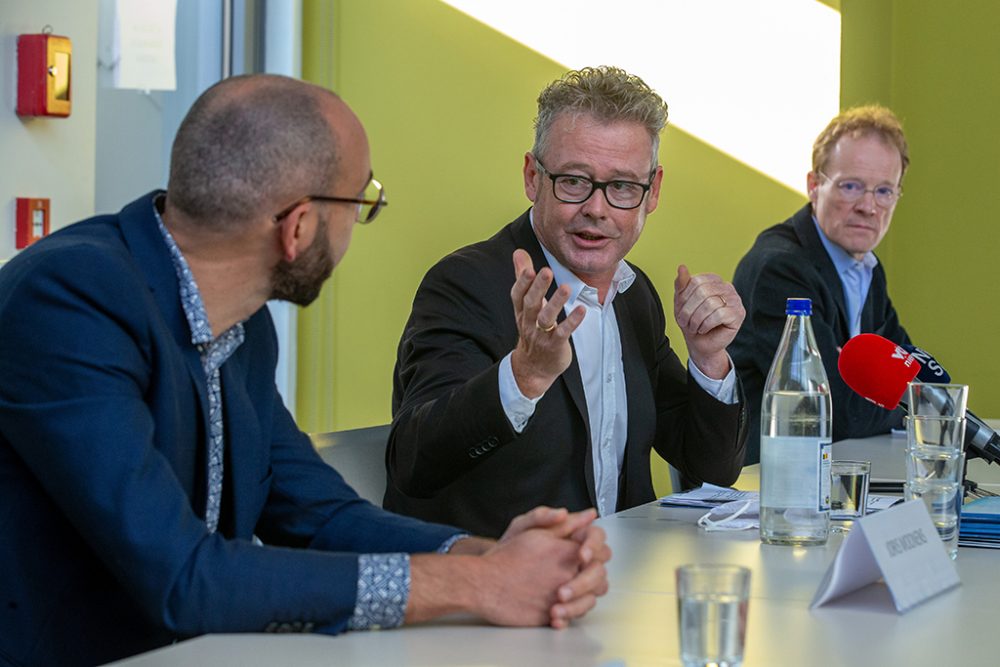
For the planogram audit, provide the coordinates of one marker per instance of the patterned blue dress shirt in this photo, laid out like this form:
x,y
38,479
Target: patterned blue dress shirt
x,y
383,579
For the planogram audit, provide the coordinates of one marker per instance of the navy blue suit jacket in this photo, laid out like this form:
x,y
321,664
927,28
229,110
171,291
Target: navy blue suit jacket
x,y
103,417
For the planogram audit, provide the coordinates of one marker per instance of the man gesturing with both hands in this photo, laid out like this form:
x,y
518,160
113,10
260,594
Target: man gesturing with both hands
x,y
559,399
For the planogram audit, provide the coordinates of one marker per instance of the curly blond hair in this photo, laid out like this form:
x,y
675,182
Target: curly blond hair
x,y
862,121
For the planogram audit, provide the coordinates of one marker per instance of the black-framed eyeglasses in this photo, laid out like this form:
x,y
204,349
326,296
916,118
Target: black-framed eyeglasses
x,y
576,189
851,189
369,204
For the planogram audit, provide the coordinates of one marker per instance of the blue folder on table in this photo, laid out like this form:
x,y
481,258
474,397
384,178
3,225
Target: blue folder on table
x,y
980,524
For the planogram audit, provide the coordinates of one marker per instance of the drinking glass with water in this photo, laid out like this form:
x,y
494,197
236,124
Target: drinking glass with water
x,y
712,602
848,493
934,475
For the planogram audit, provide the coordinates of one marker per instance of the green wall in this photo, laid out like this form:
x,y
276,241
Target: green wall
x,y
449,104
936,64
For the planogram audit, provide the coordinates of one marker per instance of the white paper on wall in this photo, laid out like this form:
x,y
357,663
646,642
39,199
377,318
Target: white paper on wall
x,y
140,51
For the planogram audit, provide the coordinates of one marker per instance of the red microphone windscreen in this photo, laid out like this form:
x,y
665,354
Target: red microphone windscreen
x,y
877,368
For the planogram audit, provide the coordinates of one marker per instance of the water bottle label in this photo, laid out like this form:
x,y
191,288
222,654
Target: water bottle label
x,y
825,459
795,472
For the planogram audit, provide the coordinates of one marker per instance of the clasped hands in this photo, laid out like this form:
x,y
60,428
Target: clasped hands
x,y
547,568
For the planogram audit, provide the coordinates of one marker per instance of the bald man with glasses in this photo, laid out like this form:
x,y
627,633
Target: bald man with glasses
x,y
825,252
534,368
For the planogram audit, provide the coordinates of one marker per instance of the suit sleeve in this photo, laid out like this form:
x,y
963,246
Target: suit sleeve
x,y
784,275
77,365
447,414
310,505
704,438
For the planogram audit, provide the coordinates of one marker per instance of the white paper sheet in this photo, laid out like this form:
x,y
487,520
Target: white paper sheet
x,y
143,44
707,495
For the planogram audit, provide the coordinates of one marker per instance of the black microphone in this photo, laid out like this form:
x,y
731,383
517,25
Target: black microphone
x,y
878,369
980,439
930,369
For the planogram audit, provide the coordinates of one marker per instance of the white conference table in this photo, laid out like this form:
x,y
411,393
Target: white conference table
x,y
635,624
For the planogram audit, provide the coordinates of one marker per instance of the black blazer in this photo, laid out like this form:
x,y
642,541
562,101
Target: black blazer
x,y
789,260
453,454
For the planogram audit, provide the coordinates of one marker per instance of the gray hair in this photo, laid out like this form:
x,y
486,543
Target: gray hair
x,y
608,94
249,144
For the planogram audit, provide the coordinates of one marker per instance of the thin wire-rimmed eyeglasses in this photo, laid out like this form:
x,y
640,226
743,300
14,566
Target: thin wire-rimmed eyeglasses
x,y
576,189
851,189
369,205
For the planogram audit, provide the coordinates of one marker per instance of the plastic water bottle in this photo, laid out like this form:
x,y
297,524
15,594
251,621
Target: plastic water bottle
x,y
795,437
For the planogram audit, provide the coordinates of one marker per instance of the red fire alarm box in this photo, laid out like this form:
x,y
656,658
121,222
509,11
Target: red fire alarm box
x,y
32,218
43,75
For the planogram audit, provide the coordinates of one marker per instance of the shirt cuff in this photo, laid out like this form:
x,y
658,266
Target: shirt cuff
x,y
383,591
450,542
723,390
516,405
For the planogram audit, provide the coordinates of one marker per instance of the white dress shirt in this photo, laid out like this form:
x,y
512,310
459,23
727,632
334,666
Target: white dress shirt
x,y
598,349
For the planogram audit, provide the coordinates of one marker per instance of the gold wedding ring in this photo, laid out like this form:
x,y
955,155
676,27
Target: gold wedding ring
x,y
724,303
548,329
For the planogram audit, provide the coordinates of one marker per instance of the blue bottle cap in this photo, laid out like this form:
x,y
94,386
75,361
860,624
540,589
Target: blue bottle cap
x,y
798,307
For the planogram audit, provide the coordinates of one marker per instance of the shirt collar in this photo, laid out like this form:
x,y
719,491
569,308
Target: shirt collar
x,y
842,259
191,301
620,282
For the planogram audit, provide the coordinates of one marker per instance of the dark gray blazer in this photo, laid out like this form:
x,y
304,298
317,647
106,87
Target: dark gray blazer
x,y
789,260
453,456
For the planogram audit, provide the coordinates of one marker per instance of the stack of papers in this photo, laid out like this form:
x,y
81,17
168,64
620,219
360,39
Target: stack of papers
x,y
878,502
980,524
707,496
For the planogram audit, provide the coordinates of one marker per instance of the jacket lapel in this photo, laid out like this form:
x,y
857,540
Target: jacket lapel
x,y
876,289
524,237
634,369
243,453
809,238
145,242
153,261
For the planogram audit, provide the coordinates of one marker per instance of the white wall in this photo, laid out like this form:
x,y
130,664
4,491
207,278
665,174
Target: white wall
x,y
115,146
135,129
48,157
130,156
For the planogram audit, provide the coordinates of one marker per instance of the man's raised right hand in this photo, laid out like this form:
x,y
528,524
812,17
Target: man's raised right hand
x,y
543,351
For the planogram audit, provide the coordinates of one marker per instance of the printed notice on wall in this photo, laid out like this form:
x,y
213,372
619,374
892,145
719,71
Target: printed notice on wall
x,y
137,49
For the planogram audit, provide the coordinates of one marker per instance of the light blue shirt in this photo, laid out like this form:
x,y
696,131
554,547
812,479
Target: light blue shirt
x,y
855,277
598,347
